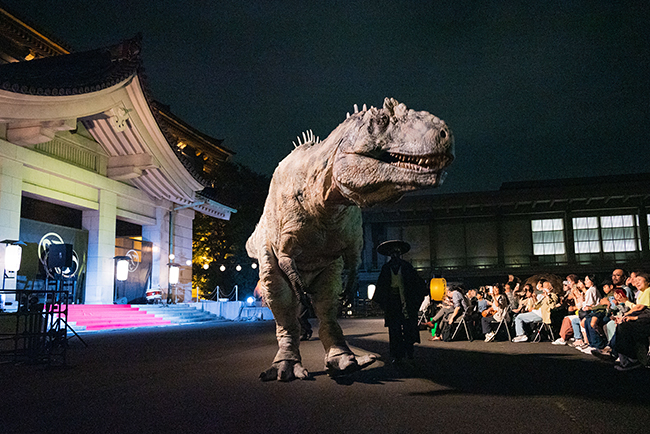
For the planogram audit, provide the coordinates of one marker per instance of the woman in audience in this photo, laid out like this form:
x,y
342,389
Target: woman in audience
x,y
527,302
496,312
571,323
633,330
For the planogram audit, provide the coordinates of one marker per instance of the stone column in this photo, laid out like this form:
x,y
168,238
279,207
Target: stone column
x,y
101,249
158,234
183,221
11,186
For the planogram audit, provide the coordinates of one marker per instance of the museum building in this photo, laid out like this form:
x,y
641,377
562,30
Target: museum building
x,y
585,225
90,162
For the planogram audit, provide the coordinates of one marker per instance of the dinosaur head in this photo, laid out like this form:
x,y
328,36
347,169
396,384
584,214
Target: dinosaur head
x,y
384,153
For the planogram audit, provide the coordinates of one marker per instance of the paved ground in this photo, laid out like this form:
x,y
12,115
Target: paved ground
x,y
203,379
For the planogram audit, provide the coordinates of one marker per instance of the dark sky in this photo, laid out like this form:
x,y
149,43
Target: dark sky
x,y
532,89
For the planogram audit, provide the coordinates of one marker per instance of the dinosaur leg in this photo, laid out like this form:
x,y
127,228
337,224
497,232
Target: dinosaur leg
x,y
281,299
339,359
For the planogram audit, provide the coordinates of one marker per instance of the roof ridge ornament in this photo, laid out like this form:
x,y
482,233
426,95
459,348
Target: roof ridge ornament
x,y
119,116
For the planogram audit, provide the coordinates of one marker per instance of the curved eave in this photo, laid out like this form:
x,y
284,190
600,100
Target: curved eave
x,y
18,107
163,177
212,208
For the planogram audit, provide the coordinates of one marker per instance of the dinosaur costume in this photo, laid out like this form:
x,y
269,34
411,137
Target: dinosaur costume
x,y
310,232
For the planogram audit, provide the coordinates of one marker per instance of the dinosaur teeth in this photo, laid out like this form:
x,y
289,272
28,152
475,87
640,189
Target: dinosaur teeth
x,y
418,162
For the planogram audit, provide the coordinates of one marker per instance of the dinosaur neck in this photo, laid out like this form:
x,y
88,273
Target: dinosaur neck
x,y
322,195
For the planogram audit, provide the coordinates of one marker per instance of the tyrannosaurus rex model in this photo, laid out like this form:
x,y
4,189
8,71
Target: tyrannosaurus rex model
x,y
310,231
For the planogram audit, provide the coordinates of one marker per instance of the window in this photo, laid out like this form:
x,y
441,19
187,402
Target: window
x,y
548,237
619,233
585,235
606,237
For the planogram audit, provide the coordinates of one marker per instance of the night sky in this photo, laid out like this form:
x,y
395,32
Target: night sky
x,y
532,90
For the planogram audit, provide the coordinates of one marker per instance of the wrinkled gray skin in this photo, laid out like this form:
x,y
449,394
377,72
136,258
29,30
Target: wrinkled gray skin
x,y
310,232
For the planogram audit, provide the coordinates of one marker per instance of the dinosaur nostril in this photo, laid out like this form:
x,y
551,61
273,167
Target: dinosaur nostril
x,y
443,134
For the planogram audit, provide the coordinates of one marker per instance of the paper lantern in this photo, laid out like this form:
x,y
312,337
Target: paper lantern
x,y
437,288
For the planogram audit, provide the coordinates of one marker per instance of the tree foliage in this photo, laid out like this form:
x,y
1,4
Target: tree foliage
x,y
218,242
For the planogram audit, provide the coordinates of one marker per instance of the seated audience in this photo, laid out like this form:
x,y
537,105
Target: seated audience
x,y
541,311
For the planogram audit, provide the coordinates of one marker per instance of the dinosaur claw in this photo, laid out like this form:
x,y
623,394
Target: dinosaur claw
x,y
347,364
270,374
285,371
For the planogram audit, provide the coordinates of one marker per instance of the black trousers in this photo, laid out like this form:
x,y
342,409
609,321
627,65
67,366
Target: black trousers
x,y
632,337
402,334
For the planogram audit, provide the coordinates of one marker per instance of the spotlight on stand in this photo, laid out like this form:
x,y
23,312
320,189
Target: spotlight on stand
x,y
250,301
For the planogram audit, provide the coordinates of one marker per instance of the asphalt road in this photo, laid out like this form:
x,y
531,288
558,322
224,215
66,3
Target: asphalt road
x,y
204,379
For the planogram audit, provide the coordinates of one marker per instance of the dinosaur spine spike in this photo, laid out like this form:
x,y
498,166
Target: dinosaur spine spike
x,y
356,108
365,108
347,115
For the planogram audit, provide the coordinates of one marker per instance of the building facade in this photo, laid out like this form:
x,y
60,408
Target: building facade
x,y
525,228
89,159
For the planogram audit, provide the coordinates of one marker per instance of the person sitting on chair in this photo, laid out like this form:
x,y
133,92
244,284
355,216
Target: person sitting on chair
x,y
496,312
445,308
541,312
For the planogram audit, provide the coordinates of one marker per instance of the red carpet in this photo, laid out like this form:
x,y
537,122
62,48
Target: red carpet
x,y
110,316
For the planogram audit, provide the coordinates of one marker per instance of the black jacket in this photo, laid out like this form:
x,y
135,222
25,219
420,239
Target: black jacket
x,y
414,288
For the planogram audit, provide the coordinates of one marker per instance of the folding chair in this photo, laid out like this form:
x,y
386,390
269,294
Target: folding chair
x,y
424,310
543,327
463,322
422,317
505,324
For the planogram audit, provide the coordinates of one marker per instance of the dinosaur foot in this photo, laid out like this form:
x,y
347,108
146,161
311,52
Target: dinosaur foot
x,y
347,364
285,370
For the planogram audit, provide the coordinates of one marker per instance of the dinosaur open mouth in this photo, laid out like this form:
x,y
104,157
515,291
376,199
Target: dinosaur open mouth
x,y
431,162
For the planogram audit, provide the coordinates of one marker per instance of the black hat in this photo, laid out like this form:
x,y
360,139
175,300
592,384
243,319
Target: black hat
x,y
388,247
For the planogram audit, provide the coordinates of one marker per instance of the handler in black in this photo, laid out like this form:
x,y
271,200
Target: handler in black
x,y
399,292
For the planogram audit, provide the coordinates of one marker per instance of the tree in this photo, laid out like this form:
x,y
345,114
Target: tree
x,y
218,242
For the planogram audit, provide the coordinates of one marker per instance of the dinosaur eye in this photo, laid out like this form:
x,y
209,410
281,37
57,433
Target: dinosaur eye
x,y
443,134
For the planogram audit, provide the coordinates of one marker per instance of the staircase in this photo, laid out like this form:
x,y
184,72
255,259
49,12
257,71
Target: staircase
x,y
177,313
87,317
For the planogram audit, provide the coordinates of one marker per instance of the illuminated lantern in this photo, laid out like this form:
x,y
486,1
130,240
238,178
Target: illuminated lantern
x,y
122,269
174,272
437,288
371,291
13,256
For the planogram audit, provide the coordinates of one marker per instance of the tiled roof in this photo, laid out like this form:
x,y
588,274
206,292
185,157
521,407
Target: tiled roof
x,y
73,74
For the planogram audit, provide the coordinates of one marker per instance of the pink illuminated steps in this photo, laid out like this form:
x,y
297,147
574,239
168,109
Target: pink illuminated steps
x,y
110,316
